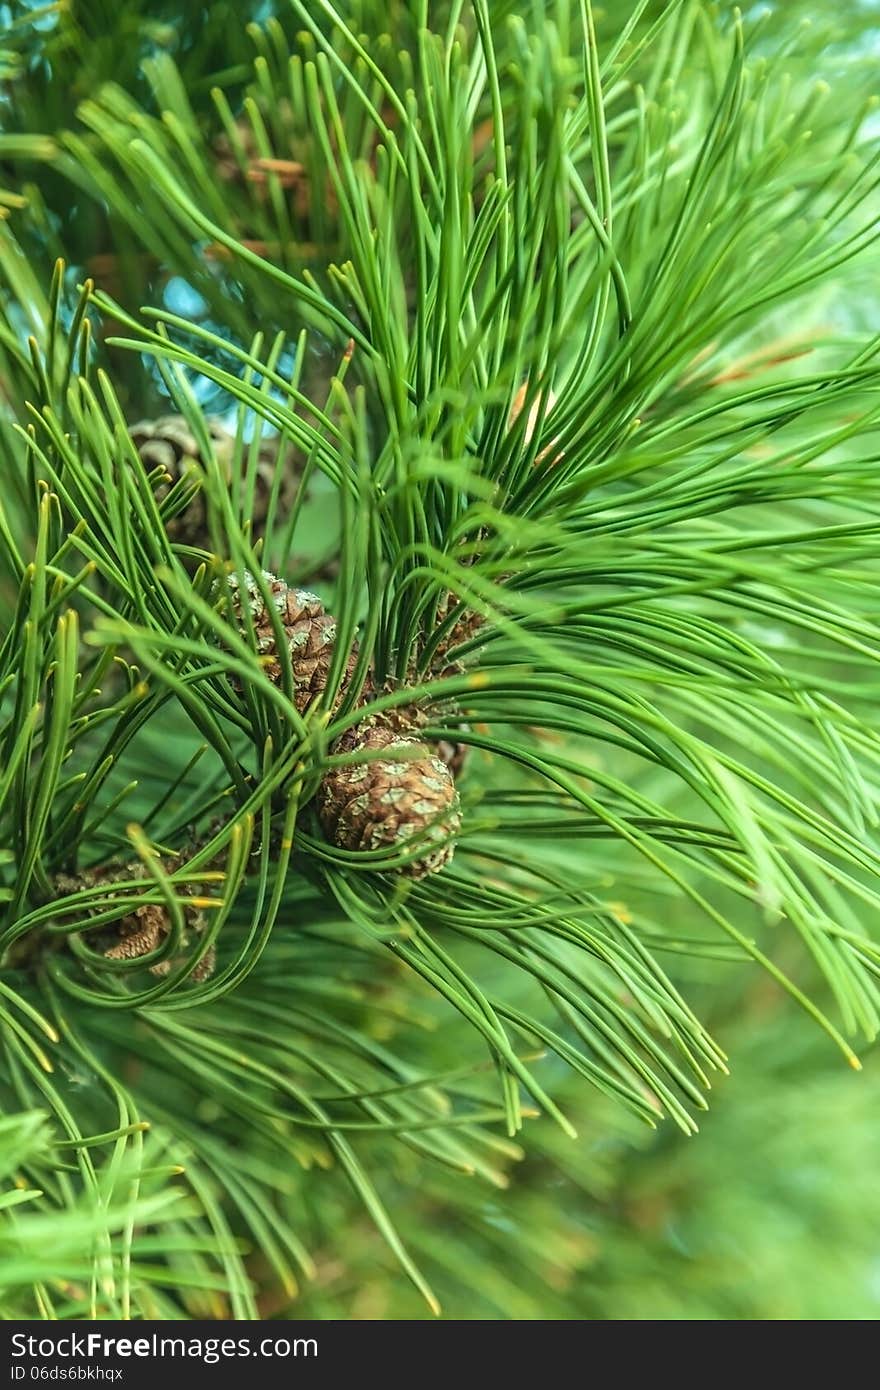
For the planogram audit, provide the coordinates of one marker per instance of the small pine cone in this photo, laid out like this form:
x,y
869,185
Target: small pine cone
x,y
142,930
311,635
168,443
466,626
388,801
408,721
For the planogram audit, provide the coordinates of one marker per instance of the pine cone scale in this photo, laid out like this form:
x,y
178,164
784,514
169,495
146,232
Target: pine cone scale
x,y
168,442
310,635
384,803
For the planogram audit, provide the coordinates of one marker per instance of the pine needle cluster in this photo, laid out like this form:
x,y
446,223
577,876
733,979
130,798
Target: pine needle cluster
x,y
509,340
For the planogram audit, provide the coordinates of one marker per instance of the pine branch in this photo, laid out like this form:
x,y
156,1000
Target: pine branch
x,y
537,431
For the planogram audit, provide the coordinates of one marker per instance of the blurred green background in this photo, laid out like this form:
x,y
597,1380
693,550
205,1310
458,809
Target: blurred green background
x,y
772,1211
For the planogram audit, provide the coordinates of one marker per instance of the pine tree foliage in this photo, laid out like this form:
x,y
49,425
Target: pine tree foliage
x,y
545,317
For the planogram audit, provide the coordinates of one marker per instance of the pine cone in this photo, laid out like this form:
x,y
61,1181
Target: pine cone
x,y
453,753
388,801
311,635
168,442
466,626
142,930
408,721
468,623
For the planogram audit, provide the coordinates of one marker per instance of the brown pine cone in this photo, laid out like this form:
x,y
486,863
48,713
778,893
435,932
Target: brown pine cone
x,y
468,622
386,802
408,721
466,626
311,635
168,442
142,930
